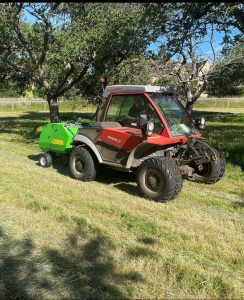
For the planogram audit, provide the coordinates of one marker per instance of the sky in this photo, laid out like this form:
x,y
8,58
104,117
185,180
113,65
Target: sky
x,y
204,50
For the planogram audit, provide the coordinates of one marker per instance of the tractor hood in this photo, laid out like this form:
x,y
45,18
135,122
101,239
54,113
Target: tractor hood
x,y
127,138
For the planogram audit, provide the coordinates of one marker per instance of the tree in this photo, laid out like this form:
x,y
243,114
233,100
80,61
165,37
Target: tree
x,y
7,43
190,73
66,44
188,27
228,78
135,70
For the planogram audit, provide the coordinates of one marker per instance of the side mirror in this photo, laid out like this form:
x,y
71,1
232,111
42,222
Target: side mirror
x,y
142,120
201,123
146,126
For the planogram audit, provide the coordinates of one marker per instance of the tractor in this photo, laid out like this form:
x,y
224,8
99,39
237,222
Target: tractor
x,y
142,129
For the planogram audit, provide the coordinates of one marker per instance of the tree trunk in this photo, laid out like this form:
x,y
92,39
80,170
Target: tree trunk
x,y
54,112
189,98
190,103
189,106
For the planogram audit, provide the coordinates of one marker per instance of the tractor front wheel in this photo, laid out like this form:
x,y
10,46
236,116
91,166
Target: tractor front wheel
x,y
159,179
81,164
210,172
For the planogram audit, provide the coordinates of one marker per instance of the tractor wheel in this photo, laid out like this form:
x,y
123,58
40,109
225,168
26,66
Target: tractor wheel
x,y
159,179
81,165
211,172
45,160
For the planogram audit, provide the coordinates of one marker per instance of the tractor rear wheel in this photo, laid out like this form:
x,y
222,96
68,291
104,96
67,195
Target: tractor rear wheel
x,y
45,160
210,172
81,164
159,179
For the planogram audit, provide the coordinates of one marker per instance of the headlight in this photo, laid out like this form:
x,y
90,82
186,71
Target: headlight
x,y
201,123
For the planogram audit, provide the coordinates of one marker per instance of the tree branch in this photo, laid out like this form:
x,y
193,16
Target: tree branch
x,y
20,35
47,33
63,82
72,83
211,45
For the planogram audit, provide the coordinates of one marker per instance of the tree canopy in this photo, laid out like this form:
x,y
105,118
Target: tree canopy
x,y
62,46
66,44
190,27
228,78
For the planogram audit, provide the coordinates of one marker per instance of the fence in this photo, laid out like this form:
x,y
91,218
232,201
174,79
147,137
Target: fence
x,y
20,101
230,102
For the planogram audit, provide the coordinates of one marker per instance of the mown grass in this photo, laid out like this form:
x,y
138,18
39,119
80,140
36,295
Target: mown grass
x,y
61,238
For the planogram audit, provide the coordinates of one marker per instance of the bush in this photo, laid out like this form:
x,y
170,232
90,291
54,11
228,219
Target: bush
x,y
10,89
77,102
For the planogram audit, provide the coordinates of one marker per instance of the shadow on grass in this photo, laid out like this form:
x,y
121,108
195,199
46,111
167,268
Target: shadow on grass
x,y
128,188
83,269
139,251
11,285
230,139
228,136
120,180
212,115
34,157
238,204
147,240
59,163
28,125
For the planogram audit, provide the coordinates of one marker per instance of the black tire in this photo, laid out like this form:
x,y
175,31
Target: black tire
x,y
81,164
212,172
159,179
45,160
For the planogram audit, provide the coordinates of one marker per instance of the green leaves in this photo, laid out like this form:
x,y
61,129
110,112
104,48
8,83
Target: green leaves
x,y
228,78
61,45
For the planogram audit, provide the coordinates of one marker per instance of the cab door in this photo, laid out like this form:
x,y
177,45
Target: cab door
x,y
116,143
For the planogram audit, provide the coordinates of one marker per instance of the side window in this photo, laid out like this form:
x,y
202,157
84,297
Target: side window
x,y
126,109
119,108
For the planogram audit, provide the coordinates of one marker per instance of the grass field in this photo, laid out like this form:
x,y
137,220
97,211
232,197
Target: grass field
x,y
61,238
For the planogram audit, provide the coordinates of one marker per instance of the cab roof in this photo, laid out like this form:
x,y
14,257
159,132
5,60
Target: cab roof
x,y
120,89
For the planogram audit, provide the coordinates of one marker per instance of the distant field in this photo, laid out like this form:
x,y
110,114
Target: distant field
x,y
220,103
29,105
13,104
65,239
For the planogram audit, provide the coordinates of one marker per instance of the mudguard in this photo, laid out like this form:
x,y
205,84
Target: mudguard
x,y
85,140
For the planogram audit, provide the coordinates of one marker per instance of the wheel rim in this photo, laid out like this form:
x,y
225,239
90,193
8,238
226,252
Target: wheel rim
x,y
79,165
206,168
42,161
153,180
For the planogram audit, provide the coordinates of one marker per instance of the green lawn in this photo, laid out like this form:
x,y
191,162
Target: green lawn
x,y
61,238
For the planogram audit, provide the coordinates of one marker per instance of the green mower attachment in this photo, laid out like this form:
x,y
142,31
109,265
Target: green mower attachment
x,y
58,137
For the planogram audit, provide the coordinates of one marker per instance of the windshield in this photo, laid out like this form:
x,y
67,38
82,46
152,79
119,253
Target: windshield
x,y
176,117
